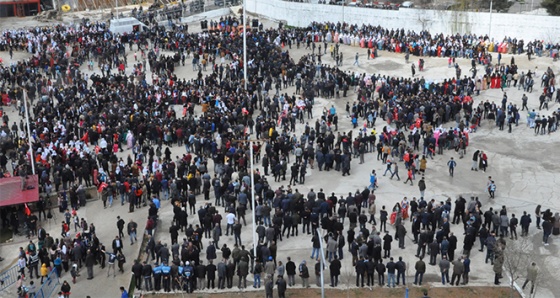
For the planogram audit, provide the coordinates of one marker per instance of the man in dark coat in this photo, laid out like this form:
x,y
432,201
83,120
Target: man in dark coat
x,y
401,232
387,239
210,274
281,284
360,272
334,269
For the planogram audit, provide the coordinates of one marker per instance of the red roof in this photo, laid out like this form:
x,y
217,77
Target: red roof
x,y
11,193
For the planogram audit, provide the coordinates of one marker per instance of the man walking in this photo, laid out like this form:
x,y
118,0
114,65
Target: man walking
x,y
532,273
120,226
131,229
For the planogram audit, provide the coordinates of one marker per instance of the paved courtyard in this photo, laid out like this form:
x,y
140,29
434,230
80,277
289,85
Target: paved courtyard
x,y
521,163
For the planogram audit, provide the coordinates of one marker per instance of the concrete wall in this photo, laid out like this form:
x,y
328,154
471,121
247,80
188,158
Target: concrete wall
x,y
496,25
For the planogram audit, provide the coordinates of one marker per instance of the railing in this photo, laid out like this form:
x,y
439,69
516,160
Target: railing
x,y
49,286
9,277
365,4
176,11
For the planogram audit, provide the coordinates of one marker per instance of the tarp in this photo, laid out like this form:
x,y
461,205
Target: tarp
x,y
11,193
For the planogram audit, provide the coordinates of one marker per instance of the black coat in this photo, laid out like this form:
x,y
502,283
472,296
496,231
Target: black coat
x,y
334,267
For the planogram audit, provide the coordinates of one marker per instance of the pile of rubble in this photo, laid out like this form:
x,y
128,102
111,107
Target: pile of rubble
x,y
48,15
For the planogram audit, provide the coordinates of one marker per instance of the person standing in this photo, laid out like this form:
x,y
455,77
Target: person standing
x,y
391,269
538,213
222,273
513,226
444,267
387,239
65,289
547,230
147,274
90,262
451,164
334,269
304,274
210,274
360,272
257,274
291,271
466,269
269,287
525,223
401,232
318,265
242,272
281,286
383,215
137,273
200,273
380,268
458,270
401,269
420,267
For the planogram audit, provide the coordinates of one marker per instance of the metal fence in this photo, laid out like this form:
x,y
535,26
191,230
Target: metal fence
x,y
8,277
176,11
49,286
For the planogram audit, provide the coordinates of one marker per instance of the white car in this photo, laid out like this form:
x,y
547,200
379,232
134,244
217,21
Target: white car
x,y
407,4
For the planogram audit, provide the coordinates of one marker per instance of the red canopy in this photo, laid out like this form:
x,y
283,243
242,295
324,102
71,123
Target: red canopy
x,y
11,193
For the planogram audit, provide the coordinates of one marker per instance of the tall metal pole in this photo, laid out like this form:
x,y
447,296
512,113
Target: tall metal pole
x,y
244,45
490,25
31,157
253,200
117,8
318,231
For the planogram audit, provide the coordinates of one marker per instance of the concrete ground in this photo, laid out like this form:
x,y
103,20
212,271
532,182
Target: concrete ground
x,y
521,164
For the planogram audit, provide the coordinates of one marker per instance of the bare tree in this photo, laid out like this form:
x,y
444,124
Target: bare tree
x,y
516,256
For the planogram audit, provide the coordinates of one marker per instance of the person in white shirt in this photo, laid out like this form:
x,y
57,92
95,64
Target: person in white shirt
x,y
230,218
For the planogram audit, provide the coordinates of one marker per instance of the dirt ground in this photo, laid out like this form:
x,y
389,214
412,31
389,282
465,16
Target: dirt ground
x,y
494,292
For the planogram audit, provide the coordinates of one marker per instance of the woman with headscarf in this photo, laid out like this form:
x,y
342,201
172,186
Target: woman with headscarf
x,y
556,222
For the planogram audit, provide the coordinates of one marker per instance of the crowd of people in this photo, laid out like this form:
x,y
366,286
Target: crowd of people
x,y
114,131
